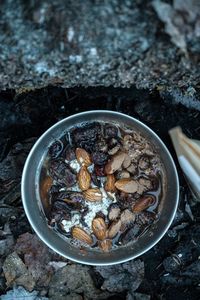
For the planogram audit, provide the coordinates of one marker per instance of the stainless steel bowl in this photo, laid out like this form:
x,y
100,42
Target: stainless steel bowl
x,y
31,195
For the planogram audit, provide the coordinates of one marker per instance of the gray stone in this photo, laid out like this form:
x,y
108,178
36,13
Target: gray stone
x,y
126,276
72,280
15,271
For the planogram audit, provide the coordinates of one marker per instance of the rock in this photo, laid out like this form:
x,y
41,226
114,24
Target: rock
x,y
188,276
187,250
122,277
15,271
11,167
137,296
37,257
72,280
177,17
8,212
7,243
73,296
2,283
21,294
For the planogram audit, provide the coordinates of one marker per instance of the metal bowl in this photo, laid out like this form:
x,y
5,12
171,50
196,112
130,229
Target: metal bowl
x,y
31,195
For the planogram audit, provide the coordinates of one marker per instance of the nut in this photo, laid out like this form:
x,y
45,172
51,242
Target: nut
x,y
81,235
83,157
93,195
123,174
143,203
99,228
127,218
132,169
114,229
110,183
127,185
105,245
127,161
144,162
115,163
114,212
84,178
114,150
128,141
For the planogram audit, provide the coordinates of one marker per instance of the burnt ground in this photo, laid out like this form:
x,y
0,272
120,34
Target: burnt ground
x,y
171,270
150,44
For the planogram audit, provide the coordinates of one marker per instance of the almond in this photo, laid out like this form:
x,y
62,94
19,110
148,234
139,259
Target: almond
x,y
127,161
105,245
83,157
110,183
99,228
84,178
93,195
81,235
115,163
114,229
123,174
143,203
127,185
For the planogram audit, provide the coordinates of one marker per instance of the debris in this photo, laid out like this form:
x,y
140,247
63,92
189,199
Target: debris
x,y
73,280
189,211
15,271
187,250
166,14
137,296
36,257
57,264
118,278
11,167
20,293
6,241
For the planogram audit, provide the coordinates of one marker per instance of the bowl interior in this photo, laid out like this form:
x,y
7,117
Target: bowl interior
x,y
32,201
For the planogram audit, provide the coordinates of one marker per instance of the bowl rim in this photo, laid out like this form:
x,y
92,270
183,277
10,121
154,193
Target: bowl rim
x,y
32,223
